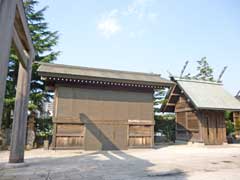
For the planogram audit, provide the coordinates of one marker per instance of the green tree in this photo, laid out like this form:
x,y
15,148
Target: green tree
x,y
205,72
44,40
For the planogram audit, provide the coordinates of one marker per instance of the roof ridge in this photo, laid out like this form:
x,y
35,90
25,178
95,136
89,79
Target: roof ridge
x,y
102,69
198,81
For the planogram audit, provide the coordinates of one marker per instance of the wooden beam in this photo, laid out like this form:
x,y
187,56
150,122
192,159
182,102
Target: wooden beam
x,y
164,107
21,11
171,104
20,114
185,110
174,94
21,52
7,14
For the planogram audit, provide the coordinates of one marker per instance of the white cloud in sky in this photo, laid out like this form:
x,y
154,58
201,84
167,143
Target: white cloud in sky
x,y
138,8
110,24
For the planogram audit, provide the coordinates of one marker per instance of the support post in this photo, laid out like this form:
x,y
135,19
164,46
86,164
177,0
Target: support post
x,y
7,14
20,114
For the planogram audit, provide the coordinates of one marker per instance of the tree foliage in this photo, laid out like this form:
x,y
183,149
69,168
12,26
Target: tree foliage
x,y
204,71
44,40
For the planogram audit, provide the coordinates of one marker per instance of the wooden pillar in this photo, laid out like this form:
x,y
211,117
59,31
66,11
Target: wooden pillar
x,y
236,121
20,114
7,15
55,106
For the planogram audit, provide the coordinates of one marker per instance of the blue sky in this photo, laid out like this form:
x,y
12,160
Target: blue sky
x,y
149,35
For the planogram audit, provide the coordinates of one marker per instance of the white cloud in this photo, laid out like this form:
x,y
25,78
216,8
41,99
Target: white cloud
x,y
109,24
109,27
139,8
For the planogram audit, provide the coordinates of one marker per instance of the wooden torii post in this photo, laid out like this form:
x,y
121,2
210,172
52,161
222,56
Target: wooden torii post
x,y
14,33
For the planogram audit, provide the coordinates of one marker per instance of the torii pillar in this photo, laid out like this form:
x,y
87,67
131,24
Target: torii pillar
x,y
14,32
7,14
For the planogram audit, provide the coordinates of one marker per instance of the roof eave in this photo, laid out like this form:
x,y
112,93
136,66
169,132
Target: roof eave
x,y
218,109
61,75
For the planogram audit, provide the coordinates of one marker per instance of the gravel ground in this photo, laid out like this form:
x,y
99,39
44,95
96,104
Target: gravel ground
x,y
166,162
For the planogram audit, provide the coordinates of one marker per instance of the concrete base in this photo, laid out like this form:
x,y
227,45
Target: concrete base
x,y
181,142
196,144
172,162
16,165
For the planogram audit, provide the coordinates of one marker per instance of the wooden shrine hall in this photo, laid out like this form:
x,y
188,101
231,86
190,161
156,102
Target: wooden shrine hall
x,y
14,33
199,108
100,109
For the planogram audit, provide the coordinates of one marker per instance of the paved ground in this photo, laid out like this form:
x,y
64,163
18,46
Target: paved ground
x,y
171,162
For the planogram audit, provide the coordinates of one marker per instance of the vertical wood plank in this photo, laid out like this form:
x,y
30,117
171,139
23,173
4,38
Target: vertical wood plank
x,y
20,114
224,130
200,125
55,103
204,127
7,14
53,145
219,129
211,127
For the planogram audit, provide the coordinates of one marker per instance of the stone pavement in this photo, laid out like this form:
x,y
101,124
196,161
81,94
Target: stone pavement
x,y
170,162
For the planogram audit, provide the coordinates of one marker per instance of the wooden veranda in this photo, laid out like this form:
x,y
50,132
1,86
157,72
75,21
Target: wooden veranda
x,y
14,32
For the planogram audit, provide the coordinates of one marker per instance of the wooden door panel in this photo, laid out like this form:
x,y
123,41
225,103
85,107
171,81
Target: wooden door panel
x,y
213,128
140,136
69,135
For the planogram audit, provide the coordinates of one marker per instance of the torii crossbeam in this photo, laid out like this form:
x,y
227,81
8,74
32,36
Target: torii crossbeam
x,y
14,32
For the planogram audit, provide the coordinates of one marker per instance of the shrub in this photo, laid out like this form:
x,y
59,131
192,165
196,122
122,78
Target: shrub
x,y
230,127
44,130
166,123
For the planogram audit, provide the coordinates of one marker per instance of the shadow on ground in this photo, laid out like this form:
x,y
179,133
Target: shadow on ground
x,y
102,165
105,165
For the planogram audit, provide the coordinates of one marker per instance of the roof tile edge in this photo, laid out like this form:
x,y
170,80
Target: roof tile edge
x,y
197,81
101,69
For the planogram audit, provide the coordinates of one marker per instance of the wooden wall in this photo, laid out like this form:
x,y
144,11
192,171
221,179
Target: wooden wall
x,y
140,133
236,120
70,134
203,126
213,127
187,121
96,119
